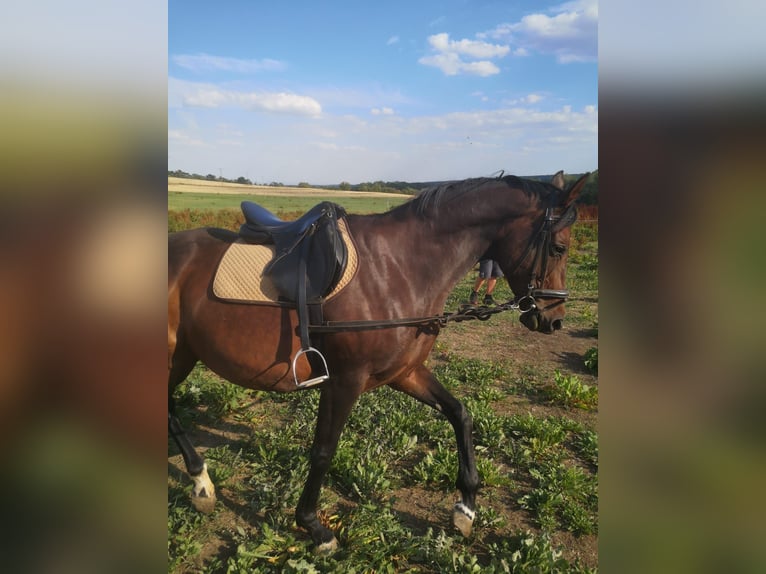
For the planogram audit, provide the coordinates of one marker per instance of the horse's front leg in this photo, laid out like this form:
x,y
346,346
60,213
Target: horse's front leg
x,y
334,408
422,385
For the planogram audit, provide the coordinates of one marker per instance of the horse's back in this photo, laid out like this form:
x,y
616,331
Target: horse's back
x,y
202,246
192,257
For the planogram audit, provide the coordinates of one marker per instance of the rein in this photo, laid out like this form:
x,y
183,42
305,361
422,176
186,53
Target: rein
x,y
434,322
541,241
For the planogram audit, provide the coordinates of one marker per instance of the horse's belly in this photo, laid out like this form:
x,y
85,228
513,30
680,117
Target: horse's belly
x,y
250,345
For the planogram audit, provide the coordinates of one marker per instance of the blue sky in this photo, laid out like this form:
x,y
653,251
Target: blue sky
x,y
414,90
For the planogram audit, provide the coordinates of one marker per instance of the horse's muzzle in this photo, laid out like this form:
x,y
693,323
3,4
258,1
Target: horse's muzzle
x,y
535,321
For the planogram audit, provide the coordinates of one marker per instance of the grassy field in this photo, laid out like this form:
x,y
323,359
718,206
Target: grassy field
x,y
359,203
390,490
213,195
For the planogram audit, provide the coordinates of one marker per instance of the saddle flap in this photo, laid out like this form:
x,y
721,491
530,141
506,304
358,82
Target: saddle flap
x,y
323,251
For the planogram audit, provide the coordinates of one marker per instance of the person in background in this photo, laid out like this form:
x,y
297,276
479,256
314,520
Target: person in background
x,y
489,271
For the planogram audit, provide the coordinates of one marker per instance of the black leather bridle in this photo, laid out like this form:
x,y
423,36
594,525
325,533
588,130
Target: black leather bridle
x,y
541,243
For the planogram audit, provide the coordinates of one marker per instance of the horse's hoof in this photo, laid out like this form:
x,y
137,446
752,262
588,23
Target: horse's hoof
x,y
203,492
462,518
203,504
326,548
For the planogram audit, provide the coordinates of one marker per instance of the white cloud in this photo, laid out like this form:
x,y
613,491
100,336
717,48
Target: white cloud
x,y
392,40
452,65
570,32
382,111
499,120
183,138
206,98
528,99
362,97
190,94
451,56
206,63
472,48
333,147
278,102
518,138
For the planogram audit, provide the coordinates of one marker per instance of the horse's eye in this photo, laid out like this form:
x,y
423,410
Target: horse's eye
x,y
558,250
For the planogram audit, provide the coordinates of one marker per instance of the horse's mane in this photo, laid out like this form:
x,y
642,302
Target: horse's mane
x,y
430,200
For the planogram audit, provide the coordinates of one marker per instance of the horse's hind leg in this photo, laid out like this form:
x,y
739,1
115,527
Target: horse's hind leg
x,y
422,385
203,491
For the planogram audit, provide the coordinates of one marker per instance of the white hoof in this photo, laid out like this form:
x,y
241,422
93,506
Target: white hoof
x,y
462,518
327,548
203,504
203,492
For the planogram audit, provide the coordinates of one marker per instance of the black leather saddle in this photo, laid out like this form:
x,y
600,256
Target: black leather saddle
x,y
313,241
309,259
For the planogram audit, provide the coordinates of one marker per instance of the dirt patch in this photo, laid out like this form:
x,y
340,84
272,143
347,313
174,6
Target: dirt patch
x,y
503,339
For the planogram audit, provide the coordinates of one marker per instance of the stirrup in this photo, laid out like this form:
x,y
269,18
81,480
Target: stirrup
x,y
316,380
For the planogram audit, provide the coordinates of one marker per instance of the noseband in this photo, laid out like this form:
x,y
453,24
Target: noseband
x,y
542,243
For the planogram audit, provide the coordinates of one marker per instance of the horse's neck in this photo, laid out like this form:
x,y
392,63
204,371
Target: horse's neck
x,y
428,257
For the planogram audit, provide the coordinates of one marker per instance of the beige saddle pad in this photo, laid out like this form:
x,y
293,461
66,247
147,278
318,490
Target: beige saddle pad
x,y
240,273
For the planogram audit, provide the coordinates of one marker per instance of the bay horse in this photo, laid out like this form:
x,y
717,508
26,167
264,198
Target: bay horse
x,y
409,260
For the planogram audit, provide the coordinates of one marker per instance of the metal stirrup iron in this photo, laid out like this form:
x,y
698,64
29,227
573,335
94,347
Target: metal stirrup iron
x,y
303,325
313,381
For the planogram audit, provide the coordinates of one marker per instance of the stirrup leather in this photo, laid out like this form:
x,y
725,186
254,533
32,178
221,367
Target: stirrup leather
x,y
315,380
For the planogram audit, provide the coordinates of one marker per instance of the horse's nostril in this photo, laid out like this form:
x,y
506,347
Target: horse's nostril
x,y
557,324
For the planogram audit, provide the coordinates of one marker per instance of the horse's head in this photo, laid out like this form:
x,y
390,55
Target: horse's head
x,y
535,267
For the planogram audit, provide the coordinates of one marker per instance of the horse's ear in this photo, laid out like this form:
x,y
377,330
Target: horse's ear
x,y
569,215
558,180
570,195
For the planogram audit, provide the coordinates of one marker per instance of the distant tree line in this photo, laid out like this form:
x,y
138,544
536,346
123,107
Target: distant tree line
x,y
588,196
379,186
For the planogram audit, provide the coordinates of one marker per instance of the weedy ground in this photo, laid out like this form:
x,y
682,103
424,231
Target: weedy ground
x,y
389,493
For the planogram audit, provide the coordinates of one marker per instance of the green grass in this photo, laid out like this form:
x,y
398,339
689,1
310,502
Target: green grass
x,y
277,203
570,391
544,463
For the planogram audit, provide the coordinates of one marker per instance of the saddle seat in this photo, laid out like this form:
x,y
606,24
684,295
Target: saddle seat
x,y
311,243
261,225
